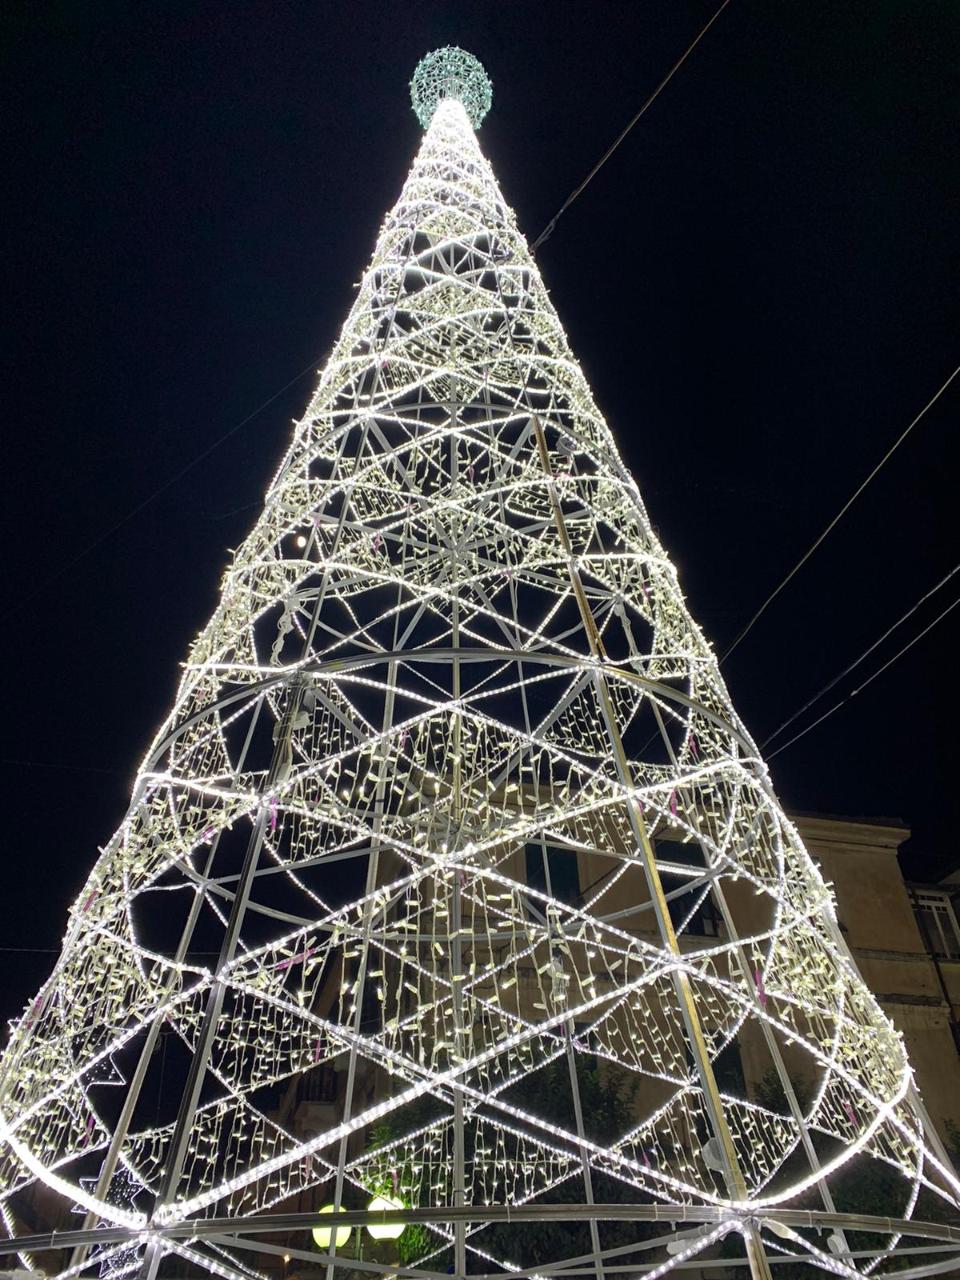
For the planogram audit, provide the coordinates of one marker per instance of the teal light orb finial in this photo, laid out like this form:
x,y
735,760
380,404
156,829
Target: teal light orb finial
x,y
450,73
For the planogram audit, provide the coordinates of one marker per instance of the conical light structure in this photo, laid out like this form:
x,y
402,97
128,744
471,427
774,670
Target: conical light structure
x,y
453,880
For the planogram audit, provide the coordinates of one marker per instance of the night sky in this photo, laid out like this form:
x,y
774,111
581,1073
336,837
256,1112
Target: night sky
x,y
759,285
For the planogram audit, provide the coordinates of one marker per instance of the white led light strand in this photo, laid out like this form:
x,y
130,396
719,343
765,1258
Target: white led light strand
x,y
455,808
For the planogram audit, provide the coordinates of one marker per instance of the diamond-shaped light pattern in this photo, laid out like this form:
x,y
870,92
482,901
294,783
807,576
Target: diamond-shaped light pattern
x,y
452,831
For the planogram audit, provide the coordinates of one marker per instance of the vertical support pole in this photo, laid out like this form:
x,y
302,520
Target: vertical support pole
x,y
456,912
759,1266
569,1054
176,1155
136,1082
140,1072
770,1040
373,867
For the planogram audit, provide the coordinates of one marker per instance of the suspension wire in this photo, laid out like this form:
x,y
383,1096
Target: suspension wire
x,y
859,689
134,511
60,764
548,229
866,653
55,951
167,484
842,512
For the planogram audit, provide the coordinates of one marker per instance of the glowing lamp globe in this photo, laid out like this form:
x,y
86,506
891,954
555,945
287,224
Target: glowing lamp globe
x,y
385,1230
321,1235
450,73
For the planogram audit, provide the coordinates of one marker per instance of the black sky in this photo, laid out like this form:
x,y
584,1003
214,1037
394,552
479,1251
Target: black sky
x,y
760,286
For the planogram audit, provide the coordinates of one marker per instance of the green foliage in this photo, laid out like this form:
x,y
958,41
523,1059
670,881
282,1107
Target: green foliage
x,y
607,1106
866,1185
606,1101
416,1238
414,1243
769,1092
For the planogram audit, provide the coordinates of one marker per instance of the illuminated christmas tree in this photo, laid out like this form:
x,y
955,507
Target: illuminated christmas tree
x,y
453,883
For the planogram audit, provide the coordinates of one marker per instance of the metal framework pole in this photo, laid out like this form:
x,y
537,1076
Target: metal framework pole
x,y
455,540
759,1266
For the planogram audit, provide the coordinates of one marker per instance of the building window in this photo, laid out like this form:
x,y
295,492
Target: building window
x,y
938,923
728,1071
705,921
685,852
564,873
319,1085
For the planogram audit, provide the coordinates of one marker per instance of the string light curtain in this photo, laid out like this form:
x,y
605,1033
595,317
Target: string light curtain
x,y
453,805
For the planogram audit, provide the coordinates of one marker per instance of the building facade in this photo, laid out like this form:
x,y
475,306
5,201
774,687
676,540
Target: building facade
x,y
903,937
905,941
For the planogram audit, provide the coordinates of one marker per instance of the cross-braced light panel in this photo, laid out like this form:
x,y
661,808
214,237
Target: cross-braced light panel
x,y
453,878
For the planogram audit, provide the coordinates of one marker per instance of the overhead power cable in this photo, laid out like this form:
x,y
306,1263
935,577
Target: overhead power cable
x,y
167,484
49,764
548,229
866,653
43,951
842,512
859,689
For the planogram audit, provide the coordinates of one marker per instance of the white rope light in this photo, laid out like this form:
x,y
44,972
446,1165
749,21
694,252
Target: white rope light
x,y
451,785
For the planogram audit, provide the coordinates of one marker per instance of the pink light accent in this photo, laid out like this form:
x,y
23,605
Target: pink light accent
x,y
758,983
293,960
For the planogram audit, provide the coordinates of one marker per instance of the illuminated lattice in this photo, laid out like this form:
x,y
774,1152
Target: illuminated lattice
x,y
450,73
453,808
